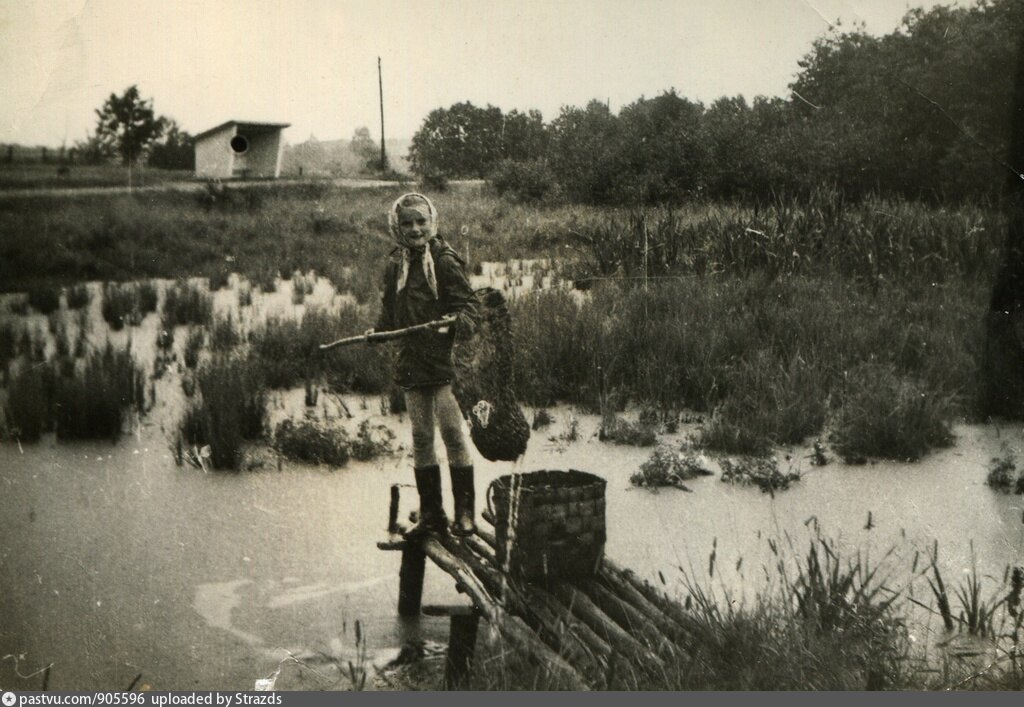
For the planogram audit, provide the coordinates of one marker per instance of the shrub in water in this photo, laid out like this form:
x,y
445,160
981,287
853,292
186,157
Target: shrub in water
x,y
193,347
886,416
44,299
615,429
78,296
1002,475
668,467
312,441
187,304
121,305
232,409
29,409
372,441
762,472
91,405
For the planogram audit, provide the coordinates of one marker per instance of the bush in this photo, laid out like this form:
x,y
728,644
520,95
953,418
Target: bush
x,y
523,181
29,409
232,409
44,299
92,405
78,296
887,416
312,441
668,467
187,304
372,441
762,472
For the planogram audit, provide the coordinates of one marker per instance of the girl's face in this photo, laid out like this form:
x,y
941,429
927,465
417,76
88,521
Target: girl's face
x,y
414,225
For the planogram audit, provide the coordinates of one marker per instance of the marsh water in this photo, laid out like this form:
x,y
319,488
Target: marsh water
x,y
115,561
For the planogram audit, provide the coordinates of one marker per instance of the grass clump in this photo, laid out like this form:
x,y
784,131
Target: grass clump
x,y
1003,474
194,346
312,441
78,296
231,409
29,409
885,415
668,467
127,304
762,472
620,431
92,405
44,298
186,303
372,441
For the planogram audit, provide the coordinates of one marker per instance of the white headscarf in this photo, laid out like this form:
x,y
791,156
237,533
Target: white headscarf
x,y
414,199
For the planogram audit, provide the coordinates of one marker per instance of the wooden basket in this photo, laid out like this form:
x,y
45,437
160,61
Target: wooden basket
x,y
549,525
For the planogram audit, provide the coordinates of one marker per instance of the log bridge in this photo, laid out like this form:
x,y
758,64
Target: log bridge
x,y
615,631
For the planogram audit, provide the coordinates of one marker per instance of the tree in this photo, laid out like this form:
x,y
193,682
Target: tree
x,y
462,141
128,124
175,151
365,149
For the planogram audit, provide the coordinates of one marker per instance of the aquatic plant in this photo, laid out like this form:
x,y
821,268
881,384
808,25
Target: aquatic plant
x,y
28,412
883,414
1003,474
186,303
668,467
372,441
312,441
92,404
621,431
78,296
762,472
44,298
231,409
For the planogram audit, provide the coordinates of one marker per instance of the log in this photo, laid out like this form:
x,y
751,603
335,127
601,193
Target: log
x,y
671,608
461,647
584,609
511,627
631,619
551,625
624,589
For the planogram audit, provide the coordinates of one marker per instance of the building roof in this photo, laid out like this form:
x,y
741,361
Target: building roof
x,y
247,126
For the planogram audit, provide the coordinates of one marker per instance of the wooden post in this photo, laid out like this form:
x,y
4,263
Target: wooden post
x,y
461,647
410,580
393,511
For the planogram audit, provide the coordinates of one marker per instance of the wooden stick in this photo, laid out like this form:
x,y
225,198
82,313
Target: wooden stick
x,y
379,336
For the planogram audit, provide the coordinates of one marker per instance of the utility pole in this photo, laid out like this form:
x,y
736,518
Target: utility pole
x,y
380,83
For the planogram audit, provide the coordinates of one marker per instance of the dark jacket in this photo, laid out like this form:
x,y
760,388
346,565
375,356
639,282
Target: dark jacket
x,y
425,359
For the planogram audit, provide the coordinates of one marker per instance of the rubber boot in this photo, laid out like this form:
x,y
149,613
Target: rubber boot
x,y
465,500
432,518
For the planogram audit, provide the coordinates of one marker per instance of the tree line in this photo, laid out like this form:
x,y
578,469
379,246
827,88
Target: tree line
x,y
922,112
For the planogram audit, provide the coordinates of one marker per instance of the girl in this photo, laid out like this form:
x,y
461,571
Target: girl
x,y
424,281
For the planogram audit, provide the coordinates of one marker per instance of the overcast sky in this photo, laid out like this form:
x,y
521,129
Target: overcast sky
x,y
313,63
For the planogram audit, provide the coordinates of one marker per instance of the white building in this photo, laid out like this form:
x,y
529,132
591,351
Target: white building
x,y
237,149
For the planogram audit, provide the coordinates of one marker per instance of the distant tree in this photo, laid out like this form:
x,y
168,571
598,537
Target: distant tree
x,y
128,123
94,150
587,154
176,150
462,141
365,149
523,136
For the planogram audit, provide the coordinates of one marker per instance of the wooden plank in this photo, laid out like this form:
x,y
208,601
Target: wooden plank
x,y
448,610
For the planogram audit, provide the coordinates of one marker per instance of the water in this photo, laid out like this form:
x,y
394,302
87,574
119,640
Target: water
x,y
115,562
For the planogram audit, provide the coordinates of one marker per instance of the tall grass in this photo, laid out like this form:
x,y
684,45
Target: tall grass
x,y
230,411
92,405
186,303
128,303
771,359
87,402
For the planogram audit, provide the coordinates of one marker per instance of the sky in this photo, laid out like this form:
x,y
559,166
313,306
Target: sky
x,y
313,63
